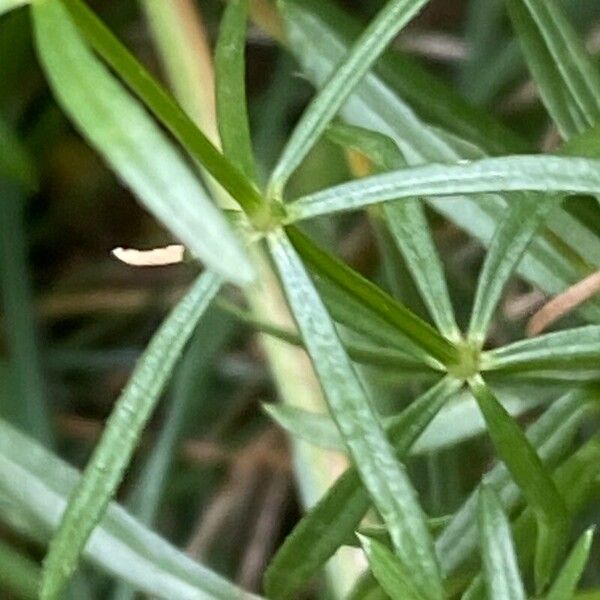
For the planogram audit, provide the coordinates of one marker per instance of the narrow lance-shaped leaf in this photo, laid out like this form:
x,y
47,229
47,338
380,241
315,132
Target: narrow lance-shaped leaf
x,y
570,85
395,313
435,100
34,488
525,216
551,436
317,34
383,476
534,173
162,105
230,71
188,391
565,585
133,144
577,481
408,225
332,521
566,75
484,36
514,233
365,51
368,354
566,351
354,308
456,422
502,577
388,570
529,473
113,453
319,42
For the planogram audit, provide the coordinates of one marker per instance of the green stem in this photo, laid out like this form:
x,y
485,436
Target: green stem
x,y
315,469
166,109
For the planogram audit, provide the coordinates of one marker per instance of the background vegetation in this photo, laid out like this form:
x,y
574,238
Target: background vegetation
x,y
241,445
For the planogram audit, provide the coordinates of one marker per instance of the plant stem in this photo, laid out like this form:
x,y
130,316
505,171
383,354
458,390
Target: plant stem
x,y
315,469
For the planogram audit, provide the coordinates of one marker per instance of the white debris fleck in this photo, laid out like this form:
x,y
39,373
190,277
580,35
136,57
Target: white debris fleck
x,y
157,257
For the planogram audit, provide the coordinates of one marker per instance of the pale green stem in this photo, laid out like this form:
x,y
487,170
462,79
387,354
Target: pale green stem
x,y
183,48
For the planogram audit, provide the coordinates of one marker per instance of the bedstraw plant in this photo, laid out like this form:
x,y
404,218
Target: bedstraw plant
x,y
419,153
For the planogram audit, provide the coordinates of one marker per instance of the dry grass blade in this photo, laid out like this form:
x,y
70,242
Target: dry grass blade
x,y
563,304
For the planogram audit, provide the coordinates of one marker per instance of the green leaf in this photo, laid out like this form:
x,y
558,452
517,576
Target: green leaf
x,y
584,144
366,354
133,144
357,62
457,421
113,453
331,522
554,260
565,585
317,429
380,149
527,469
577,480
230,70
512,237
396,314
410,230
563,351
360,317
502,577
514,233
409,227
34,490
321,29
389,570
550,435
189,391
359,425
566,75
379,532
166,109
509,173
